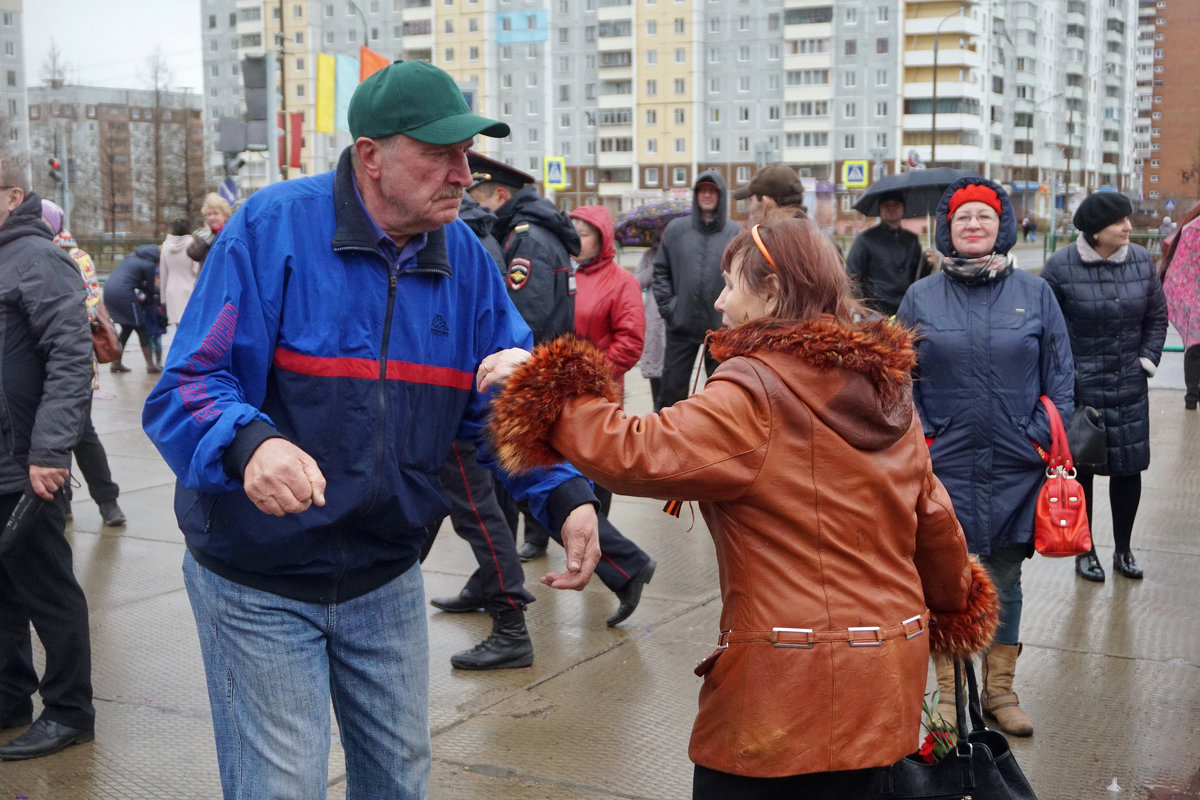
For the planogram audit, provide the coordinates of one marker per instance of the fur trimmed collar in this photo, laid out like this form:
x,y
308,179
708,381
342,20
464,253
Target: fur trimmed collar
x,y
879,349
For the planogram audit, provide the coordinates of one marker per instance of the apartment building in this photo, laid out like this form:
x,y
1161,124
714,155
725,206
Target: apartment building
x,y
14,123
1171,174
131,159
639,96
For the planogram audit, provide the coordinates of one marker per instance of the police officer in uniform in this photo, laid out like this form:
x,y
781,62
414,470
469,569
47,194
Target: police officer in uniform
x,y
538,241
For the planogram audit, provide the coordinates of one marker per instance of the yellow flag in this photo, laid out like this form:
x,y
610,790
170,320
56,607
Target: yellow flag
x,y
326,73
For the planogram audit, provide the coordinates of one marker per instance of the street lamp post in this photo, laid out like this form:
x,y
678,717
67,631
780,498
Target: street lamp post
x,y
937,33
355,7
1029,142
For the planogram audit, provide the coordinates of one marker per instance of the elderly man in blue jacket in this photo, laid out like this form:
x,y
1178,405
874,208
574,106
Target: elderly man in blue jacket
x,y
326,364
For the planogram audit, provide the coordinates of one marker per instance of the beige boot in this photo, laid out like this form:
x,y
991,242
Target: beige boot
x,y
999,699
944,669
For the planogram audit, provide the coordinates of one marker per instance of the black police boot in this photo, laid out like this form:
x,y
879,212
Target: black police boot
x,y
631,594
507,647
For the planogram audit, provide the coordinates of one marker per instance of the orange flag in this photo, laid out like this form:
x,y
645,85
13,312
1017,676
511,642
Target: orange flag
x,y
371,62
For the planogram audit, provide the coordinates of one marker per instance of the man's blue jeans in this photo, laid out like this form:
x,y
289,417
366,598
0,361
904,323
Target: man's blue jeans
x,y
273,664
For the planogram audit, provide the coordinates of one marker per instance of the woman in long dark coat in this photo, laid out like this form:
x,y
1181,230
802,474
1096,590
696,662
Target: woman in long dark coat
x,y
130,295
1113,303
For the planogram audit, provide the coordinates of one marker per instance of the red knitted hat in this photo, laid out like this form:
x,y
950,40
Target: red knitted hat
x,y
974,192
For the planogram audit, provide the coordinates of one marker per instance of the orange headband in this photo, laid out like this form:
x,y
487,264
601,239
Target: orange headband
x,y
762,248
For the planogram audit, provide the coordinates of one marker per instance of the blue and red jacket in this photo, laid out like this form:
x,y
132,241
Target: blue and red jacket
x,y
304,325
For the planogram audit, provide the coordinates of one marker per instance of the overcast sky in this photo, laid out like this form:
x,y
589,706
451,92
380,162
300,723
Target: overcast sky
x,y
108,42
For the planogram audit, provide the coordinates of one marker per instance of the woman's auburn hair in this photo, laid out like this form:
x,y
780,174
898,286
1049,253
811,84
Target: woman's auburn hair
x,y
811,274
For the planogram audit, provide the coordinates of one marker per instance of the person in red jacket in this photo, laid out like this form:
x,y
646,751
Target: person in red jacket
x,y
608,302
608,299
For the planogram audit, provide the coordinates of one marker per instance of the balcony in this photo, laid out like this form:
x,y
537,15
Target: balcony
x,y
954,26
945,122
947,57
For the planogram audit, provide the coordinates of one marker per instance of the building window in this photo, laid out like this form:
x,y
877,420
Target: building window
x,y
848,141
651,117
651,27
680,55
680,145
743,113
881,45
651,88
882,14
652,176
881,108
680,116
850,47
850,79
449,55
850,111
652,145
680,86
679,25
651,58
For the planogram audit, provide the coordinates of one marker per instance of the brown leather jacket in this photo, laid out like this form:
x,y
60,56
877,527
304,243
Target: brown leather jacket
x,y
811,470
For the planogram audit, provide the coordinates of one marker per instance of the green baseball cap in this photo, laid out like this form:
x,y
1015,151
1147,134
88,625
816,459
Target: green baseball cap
x,y
419,100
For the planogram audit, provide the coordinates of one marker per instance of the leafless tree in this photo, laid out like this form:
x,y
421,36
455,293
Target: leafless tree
x,y
55,69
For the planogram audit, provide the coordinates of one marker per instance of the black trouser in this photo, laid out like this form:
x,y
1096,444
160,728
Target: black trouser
x,y
93,463
679,355
478,518
1191,374
708,784
144,337
37,585
620,557
1124,497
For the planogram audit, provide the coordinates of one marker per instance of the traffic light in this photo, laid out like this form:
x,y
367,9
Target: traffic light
x,y
55,172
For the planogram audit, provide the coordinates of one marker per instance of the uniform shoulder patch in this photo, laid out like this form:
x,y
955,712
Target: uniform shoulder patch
x,y
518,273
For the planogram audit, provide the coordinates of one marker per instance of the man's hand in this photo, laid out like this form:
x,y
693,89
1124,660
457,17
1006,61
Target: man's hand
x,y
47,480
496,368
282,479
581,540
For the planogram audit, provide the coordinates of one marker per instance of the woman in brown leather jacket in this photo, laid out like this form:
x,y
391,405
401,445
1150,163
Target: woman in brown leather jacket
x,y
841,561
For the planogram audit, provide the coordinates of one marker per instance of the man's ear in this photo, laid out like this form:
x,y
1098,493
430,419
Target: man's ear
x,y
369,154
768,202
16,196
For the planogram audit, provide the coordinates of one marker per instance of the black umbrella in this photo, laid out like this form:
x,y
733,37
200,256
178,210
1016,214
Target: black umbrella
x,y
921,188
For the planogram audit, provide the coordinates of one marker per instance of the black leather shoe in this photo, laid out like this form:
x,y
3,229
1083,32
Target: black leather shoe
x,y
508,646
1088,567
529,551
43,738
631,594
460,603
1125,564
112,514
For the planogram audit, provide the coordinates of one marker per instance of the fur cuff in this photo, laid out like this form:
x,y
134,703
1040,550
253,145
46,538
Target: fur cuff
x,y
529,404
960,634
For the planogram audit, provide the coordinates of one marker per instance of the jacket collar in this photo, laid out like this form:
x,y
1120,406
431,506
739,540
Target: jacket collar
x,y
879,349
354,233
1088,254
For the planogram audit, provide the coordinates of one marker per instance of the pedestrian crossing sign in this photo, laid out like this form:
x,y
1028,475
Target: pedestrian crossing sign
x,y
854,174
554,172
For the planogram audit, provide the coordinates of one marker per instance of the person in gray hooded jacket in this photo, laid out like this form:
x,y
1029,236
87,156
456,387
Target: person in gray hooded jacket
x,y
687,280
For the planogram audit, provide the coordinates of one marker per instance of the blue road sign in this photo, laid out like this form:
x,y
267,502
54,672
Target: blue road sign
x,y
1169,205
228,189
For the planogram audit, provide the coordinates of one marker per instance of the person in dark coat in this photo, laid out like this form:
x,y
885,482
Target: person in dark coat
x,y
1117,317
990,341
45,389
687,281
131,296
886,259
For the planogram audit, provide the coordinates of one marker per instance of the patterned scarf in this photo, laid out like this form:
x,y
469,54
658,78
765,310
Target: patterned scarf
x,y
983,269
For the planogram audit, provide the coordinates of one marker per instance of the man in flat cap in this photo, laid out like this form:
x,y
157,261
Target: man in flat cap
x,y
327,362
774,192
886,259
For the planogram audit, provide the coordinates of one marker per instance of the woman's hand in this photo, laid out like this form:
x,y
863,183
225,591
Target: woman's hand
x,y
496,368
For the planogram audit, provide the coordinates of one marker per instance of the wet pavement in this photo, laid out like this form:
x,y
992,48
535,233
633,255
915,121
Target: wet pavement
x,y
1110,672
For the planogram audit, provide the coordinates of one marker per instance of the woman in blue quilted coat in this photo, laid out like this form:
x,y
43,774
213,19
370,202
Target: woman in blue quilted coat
x,y
991,341
1111,297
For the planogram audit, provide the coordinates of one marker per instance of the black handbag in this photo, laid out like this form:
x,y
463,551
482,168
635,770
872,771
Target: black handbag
x,y
1087,438
981,766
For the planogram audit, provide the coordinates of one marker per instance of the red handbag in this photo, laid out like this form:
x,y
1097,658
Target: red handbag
x,y
1060,525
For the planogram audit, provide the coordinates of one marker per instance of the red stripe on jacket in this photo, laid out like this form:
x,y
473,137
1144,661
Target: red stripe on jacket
x,y
368,369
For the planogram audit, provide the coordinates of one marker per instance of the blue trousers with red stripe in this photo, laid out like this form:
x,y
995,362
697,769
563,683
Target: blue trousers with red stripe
x,y
478,518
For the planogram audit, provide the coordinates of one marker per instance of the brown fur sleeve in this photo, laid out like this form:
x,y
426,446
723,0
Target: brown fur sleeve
x,y
524,412
960,634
